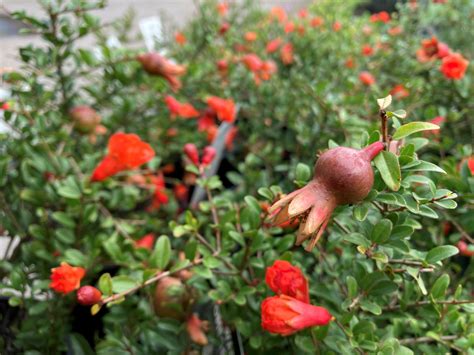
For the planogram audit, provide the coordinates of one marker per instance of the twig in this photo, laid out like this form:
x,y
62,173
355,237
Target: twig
x,y
459,228
427,339
215,218
424,303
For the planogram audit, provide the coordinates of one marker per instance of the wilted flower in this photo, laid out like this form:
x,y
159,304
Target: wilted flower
x,y
431,49
155,64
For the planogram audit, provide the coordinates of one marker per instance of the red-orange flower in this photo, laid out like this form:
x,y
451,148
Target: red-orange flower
x,y
349,63
252,62
146,241
181,192
367,50
155,64
286,54
303,13
465,249
337,26
454,66
366,78
126,151
316,21
274,44
439,120
286,315
470,165
286,279
185,110
224,108
289,27
222,8
399,92
382,16
159,196
180,38
395,30
66,278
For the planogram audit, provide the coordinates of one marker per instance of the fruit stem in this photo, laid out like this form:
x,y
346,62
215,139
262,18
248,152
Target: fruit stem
x,y
373,149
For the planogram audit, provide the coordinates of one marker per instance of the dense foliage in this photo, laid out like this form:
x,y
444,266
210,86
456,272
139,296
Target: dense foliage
x,y
107,180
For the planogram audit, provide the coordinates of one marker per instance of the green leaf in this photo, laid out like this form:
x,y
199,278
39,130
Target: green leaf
x,y
387,164
381,231
360,211
370,307
105,284
400,114
162,252
413,127
252,203
448,204
357,239
75,257
440,286
64,219
266,192
122,283
440,253
419,165
303,172
69,191
351,286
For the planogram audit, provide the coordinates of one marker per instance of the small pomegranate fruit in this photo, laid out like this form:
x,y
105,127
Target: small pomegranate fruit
x,y
88,295
85,119
341,176
172,298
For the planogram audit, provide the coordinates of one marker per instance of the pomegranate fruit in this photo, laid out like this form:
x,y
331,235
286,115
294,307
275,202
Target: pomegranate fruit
x,y
85,119
88,295
172,298
341,176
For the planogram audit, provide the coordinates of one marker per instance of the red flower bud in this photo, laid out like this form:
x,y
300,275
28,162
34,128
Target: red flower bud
x,y
286,315
284,278
465,249
192,153
196,329
88,295
146,242
208,155
224,28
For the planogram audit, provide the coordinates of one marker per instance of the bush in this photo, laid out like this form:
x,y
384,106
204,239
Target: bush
x,y
109,183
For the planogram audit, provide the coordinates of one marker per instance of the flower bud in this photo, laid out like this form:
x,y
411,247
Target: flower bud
x,y
208,155
88,295
85,119
192,153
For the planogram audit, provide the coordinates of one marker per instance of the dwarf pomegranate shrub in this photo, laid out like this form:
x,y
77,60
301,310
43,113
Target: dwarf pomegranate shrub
x,y
155,201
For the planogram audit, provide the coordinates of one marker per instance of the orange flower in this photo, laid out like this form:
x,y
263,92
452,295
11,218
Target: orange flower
x,y
155,64
337,26
395,31
185,110
267,69
286,279
180,38
316,21
126,151
454,66
286,315
66,278
286,54
366,78
222,8
399,92
349,63
273,45
146,242
252,62
367,50
224,108
278,13
250,36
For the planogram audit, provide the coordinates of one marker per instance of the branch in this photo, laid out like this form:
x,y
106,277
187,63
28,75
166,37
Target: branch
x,y
424,303
426,339
154,279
